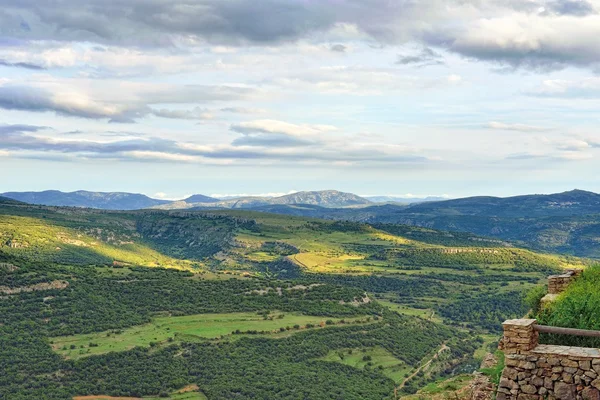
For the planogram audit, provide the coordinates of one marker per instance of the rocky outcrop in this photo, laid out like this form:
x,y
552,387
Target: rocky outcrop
x,y
54,285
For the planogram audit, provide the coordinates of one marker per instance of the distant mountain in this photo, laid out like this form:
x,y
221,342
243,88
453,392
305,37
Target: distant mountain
x,y
106,201
6,200
575,202
200,198
326,199
403,200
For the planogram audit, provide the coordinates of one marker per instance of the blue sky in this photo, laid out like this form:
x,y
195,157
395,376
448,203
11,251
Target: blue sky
x,y
170,98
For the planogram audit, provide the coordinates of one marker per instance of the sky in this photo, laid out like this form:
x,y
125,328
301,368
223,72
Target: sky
x,y
375,97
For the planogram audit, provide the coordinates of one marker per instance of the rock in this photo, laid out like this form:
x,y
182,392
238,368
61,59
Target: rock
x,y
585,365
569,363
526,365
564,391
590,393
568,378
524,396
510,373
537,381
529,389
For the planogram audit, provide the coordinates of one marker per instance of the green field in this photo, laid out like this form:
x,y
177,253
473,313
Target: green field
x,y
373,358
190,327
427,314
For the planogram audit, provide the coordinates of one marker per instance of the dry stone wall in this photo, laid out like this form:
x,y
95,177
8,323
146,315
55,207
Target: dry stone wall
x,y
558,283
544,372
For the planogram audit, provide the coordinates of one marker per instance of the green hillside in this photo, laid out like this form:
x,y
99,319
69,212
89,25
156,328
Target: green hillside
x,y
565,223
245,304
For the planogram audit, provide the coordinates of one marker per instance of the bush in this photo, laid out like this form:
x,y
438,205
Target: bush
x,y
578,307
534,297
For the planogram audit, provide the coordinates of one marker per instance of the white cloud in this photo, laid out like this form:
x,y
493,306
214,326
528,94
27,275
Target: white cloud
x,y
515,127
281,127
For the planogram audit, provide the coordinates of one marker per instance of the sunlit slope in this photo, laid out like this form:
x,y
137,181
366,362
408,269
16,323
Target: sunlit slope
x,y
83,236
247,241
336,247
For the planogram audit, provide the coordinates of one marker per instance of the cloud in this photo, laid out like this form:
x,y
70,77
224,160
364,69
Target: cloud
x,y
361,81
339,48
256,146
531,41
196,113
243,110
166,22
538,34
579,8
117,101
11,129
514,127
269,126
425,57
587,88
25,65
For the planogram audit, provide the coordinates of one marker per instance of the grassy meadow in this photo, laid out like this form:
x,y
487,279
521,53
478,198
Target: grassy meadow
x,y
164,330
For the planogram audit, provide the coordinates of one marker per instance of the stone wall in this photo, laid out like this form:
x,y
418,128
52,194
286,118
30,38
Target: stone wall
x,y
558,283
536,372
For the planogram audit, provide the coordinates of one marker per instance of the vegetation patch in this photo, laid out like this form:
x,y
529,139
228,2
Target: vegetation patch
x,y
164,330
578,307
375,358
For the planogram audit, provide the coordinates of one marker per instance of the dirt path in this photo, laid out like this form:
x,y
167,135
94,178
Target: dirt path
x,y
422,367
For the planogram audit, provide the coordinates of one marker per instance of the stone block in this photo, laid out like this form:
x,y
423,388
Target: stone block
x,y
590,393
564,391
529,389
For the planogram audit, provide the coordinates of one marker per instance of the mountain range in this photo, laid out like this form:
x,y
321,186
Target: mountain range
x,y
82,198
131,201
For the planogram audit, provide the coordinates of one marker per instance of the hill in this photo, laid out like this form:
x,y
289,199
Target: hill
x,y
82,198
326,199
403,200
6,200
575,202
567,223
200,198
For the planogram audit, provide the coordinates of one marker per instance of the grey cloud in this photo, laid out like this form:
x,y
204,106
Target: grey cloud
x,y
439,23
425,57
338,48
26,98
160,22
21,65
579,8
35,99
271,140
10,129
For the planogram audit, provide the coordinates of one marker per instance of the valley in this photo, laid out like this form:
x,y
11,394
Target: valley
x,y
247,304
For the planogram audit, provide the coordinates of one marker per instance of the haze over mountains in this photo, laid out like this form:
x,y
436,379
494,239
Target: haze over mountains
x,y
82,198
130,201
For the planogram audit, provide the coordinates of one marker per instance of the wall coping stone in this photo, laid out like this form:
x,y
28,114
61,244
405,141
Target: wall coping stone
x,y
581,352
519,322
